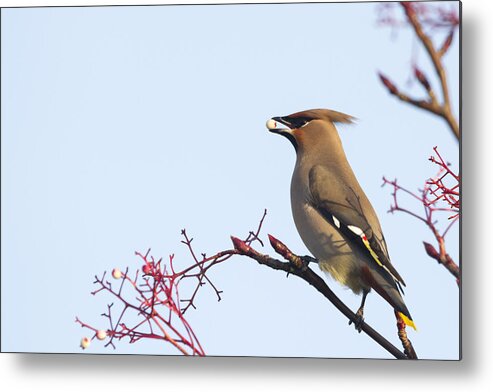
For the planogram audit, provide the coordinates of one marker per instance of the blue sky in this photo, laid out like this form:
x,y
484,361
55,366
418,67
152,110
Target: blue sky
x,y
123,125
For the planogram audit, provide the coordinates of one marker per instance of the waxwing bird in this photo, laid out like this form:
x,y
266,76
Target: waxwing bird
x,y
332,214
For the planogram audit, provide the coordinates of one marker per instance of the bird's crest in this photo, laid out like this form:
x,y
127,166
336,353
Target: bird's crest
x,y
325,114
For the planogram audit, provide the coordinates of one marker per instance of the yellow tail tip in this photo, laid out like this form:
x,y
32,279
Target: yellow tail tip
x,y
408,321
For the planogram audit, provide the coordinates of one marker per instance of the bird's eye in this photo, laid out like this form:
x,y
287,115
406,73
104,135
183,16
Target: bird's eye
x,y
301,122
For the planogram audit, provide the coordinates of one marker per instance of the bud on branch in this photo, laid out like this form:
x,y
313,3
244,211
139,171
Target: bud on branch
x,y
446,44
431,251
387,83
422,78
241,246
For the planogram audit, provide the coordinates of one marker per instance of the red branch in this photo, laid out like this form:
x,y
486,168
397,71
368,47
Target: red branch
x,y
432,18
150,301
449,193
436,197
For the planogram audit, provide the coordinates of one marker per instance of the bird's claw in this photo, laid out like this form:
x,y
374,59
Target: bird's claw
x,y
309,259
358,324
302,262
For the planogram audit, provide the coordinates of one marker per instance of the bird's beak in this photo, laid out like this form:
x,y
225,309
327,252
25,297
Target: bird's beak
x,y
273,125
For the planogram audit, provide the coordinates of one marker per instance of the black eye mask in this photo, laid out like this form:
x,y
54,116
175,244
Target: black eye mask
x,y
293,122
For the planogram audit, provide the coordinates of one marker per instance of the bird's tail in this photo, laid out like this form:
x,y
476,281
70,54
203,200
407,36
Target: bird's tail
x,y
386,286
407,320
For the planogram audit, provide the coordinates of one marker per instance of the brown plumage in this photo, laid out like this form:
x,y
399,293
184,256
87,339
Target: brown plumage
x,y
334,218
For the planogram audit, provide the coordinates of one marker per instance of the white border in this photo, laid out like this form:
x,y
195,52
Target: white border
x,y
473,373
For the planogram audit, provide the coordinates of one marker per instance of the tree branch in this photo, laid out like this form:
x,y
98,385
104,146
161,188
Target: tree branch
x,y
406,343
297,266
439,191
157,287
432,105
436,58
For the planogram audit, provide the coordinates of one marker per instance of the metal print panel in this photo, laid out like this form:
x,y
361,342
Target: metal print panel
x,y
267,180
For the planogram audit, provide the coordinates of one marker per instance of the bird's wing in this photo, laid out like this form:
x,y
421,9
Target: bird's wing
x,y
341,206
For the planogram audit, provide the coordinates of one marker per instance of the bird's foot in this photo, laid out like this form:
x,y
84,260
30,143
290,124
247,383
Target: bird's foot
x,y
302,262
309,259
358,324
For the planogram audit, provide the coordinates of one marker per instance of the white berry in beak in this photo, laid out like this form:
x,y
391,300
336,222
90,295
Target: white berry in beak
x,y
271,124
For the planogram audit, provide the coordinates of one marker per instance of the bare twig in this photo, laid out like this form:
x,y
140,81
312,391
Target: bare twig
x,y
415,17
450,194
434,191
153,298
436,58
